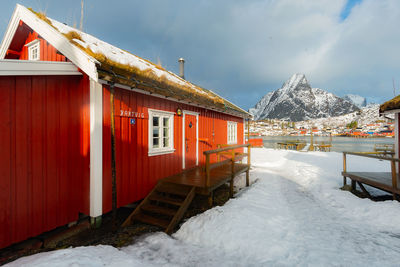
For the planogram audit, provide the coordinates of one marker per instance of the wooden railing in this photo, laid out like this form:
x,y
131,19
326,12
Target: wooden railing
x,y
235,156
374,155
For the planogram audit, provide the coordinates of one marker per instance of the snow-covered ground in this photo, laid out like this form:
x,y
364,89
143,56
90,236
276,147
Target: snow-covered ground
x,y
293,214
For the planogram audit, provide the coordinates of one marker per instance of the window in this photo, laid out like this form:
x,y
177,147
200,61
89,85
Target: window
x,y
34,50
232,132
161,132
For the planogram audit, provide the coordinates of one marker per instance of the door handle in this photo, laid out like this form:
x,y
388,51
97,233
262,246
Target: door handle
x,y
186,144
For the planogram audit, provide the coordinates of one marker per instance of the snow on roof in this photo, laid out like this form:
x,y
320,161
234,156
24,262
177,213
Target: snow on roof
x,y
118,55
117,65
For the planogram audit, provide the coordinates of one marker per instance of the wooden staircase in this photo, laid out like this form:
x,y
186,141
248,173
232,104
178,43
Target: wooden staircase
x,y
164,206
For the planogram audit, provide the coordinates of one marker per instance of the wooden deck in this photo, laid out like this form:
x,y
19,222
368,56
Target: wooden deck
x,y
167,203
380,180
196,177
386,181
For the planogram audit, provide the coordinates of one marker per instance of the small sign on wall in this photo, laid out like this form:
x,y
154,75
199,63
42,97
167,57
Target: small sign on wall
x,y
132,121
134,114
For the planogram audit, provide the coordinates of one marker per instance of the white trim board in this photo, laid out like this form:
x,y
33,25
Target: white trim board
x,y
184,112
33,67
83,61
96,149
392,111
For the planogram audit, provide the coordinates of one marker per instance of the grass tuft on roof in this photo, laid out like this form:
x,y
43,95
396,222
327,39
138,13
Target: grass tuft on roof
x,y
42,16
71,35
390,105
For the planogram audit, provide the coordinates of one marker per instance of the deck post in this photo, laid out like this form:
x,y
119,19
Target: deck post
x,y
232,174
248,155
353,185
207,170
248,163
211,199
394,177
344,169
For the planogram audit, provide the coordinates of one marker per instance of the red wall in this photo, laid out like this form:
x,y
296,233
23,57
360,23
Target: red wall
x,y
44,159
47,51
137,173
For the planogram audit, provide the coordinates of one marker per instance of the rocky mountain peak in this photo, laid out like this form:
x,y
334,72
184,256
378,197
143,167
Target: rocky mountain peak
x,y
297,101
297,81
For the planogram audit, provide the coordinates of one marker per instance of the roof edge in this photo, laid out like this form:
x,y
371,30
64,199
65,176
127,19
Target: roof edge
x,y
83,61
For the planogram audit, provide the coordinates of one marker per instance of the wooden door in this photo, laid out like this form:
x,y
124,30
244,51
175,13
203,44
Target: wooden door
x,y
190,141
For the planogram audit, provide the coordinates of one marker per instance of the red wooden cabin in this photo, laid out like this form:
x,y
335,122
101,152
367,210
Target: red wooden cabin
x,y
55,110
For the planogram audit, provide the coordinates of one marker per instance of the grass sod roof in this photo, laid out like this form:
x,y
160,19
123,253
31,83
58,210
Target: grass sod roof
x,y
153,79
390,105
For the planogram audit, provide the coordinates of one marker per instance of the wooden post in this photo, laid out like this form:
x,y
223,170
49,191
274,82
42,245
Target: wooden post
x,y
248,130
311,148
211,199
353,185
248,163
207,170
248,155
394,177
232,174
344,169
113,159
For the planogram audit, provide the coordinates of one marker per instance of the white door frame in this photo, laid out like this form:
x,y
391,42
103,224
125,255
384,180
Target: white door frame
x,y
183,136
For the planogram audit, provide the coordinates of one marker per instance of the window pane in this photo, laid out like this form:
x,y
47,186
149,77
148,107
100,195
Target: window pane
x,y
156,142
166,122
156,121
166,142
156,132
166,132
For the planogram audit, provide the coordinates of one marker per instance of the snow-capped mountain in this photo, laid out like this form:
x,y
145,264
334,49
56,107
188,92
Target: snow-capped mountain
x,y
366,115
357,100
297,101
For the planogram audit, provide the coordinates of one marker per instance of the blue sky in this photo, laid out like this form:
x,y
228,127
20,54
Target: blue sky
x,y
245,49
348,7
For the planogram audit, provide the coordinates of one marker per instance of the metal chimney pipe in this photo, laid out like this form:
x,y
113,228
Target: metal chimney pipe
x,y
181,68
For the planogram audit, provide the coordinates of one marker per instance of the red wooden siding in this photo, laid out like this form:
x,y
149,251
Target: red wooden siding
x,y
44,159
137,173
47,51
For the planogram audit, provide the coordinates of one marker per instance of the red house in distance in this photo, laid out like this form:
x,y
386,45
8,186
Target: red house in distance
x,y
55,110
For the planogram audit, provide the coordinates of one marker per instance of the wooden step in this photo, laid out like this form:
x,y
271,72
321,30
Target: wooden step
x,y
165,199
181,211
175,189
152,220
159,210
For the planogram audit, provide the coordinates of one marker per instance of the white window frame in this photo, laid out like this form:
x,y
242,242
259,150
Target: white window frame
x,y
34,45
231,132
161,150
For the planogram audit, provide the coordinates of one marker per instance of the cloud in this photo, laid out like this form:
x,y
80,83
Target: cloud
x,y
244,49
